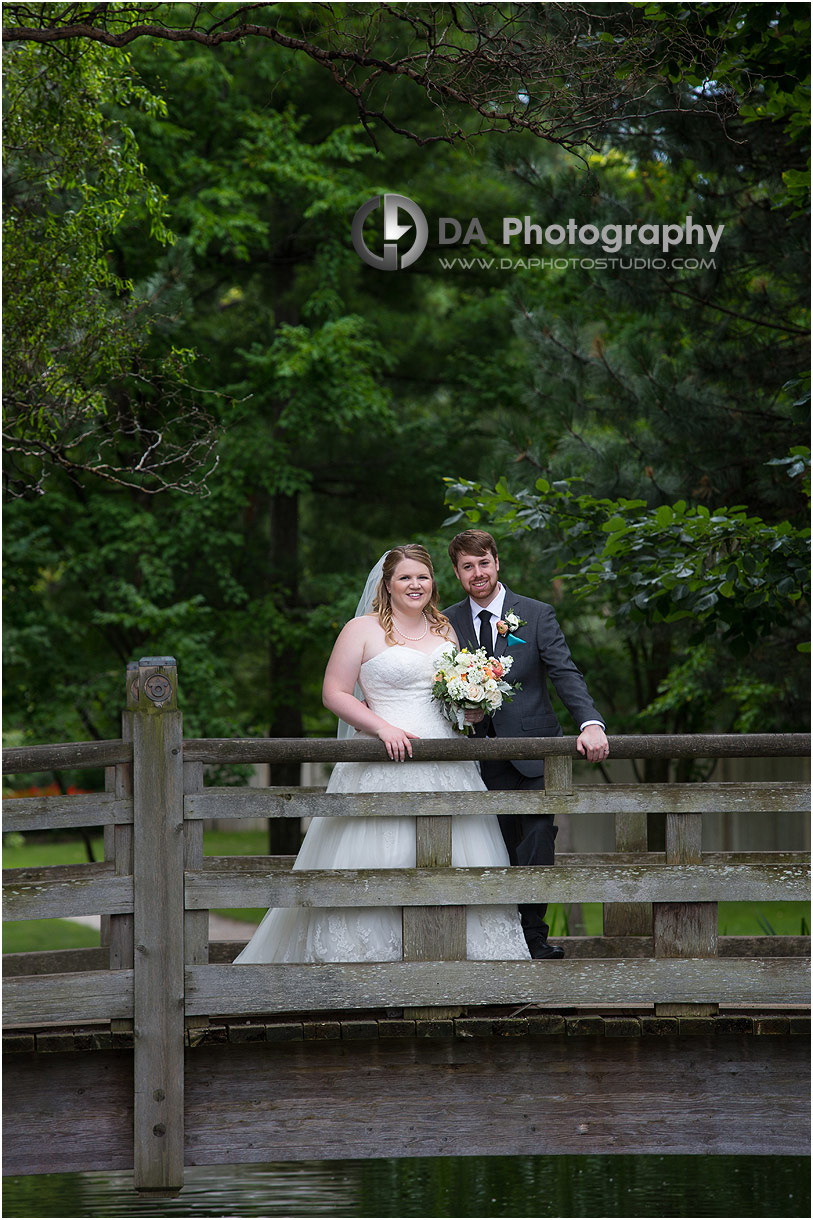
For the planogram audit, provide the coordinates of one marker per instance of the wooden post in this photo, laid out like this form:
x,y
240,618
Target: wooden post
x,y
629,918
558,775
196,923
685,929
158,850
434,934
117,930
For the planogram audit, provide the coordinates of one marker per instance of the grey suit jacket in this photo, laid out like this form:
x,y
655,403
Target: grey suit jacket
x,y
544,654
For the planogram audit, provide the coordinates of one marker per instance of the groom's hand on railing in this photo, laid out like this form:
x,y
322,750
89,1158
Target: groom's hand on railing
x,y
592,743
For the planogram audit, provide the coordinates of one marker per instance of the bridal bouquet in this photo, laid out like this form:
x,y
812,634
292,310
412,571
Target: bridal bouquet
x,y
471,679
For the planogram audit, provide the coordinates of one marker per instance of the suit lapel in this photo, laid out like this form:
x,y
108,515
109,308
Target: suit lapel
x,y
501,641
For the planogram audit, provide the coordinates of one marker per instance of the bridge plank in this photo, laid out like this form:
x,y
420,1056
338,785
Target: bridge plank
x,y
436,887
785,797
730,1093
27,813
94,995
63,890
289,988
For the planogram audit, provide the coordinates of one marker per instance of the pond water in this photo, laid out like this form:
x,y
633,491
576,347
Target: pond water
x,y
563,1186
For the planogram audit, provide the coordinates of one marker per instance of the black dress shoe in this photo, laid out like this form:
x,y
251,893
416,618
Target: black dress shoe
x,y
542,950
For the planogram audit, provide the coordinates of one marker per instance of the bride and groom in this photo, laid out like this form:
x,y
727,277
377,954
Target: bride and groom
x,y
378,681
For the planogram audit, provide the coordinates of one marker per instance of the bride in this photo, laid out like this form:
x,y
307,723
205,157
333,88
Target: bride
x,y
388,658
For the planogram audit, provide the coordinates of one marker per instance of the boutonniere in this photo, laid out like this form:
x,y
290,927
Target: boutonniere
x,y
508,625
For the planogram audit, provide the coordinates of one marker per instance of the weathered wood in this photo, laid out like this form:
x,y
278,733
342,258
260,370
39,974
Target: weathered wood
x,y
54,961
433,933
159,912
685,929
225,951
733,1093
591,859
90,996
587,798
119,839
629,918
65,756
465,886
63,890
25,759
328,749
29,813
292,988
196,923
57,1119
496,1096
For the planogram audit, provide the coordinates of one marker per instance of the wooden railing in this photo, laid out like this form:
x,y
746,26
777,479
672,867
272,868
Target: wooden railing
x,y
154,890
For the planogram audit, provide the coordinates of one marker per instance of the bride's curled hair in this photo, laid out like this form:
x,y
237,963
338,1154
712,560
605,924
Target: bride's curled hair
x,y
382,603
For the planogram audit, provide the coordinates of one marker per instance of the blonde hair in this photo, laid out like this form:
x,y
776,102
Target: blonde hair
x,y
382,603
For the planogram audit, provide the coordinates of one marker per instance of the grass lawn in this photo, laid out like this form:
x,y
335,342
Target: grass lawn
x,y
29,935
735,918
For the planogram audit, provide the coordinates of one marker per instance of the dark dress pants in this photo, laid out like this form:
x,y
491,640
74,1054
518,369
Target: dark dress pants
x,y
529,838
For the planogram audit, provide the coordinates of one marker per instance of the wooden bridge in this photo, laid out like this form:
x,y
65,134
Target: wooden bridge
x,y
153,1051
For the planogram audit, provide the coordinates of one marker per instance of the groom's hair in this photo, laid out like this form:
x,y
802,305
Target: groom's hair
x,y
471,542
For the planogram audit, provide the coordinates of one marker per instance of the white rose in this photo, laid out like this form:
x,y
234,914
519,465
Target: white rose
x,y
494,700
475,692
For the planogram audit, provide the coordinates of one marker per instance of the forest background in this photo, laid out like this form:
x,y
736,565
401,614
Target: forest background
x,y
217,417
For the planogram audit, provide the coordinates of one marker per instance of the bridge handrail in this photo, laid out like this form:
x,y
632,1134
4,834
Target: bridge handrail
x,y
68,755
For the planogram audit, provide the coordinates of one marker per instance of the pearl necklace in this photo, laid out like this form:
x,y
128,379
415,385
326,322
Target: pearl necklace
x,y
413,638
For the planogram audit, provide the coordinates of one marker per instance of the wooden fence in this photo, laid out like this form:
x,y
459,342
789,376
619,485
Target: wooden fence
x,y
155,975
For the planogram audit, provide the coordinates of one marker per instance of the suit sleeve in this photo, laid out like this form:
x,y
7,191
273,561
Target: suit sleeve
x,y
567,678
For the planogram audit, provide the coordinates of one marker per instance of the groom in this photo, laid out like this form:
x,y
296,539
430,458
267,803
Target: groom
x,y
540,652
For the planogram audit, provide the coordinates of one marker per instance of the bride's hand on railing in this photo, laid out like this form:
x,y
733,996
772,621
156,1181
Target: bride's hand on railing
x,y
397,741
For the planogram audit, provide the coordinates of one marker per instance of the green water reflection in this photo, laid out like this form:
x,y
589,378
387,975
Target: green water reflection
x,y
564,1186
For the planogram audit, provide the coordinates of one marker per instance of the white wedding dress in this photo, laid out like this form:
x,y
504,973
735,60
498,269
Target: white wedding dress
x,y
397,685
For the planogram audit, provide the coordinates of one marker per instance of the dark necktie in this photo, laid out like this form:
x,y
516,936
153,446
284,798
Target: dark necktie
x,y
485,630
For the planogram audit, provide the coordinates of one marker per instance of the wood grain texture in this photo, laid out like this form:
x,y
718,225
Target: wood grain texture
x,y
328,749
684,929
465,886
55,961
433,933
257,750
158,917
252,989
587,798
496,1097
28,813
88,996
60,1118
61,891
629,918
424,1097
66,756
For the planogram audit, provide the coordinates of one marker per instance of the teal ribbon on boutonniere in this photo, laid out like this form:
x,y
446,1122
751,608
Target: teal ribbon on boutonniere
x,y
510,623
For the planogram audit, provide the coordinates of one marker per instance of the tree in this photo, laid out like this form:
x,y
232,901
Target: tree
x,y
727,594
78,394
571,74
